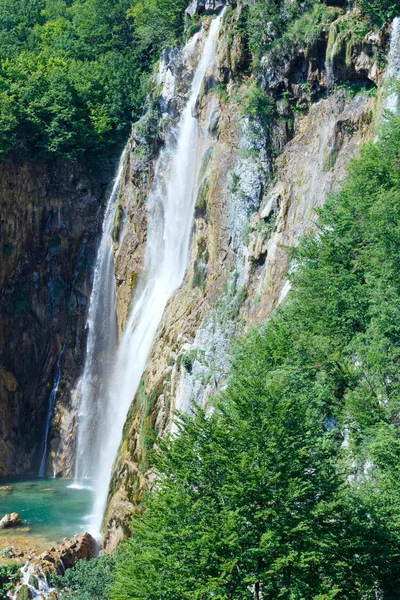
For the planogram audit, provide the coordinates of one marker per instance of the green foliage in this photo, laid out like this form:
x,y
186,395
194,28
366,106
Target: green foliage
x,y
157,22
87,580
290,488
9,575
379,10
257,105
281,28
73,72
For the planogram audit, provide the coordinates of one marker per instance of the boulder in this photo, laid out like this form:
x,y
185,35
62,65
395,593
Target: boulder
x,y
9,521
68,552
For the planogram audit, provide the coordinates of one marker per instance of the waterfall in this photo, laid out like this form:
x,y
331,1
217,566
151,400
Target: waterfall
x,y
393,72
52,400
170,209
330,56
101,348
32,573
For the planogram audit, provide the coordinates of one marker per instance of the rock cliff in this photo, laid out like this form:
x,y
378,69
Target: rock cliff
x,y
263,175
49,220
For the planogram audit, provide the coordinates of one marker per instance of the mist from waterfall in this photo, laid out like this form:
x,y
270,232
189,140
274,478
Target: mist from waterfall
x,y
170,209
101,349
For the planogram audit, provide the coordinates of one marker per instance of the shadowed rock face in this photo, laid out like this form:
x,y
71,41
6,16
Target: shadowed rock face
x,y
49,218
205,7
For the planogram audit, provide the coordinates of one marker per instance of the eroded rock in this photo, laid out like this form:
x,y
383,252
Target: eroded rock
x,y
205,7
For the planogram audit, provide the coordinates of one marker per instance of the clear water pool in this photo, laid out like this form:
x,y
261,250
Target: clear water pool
x,y
51,509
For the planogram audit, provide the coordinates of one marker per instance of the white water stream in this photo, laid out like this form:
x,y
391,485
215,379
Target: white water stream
x,y
52,400
106,398
393,71
32,573
101,348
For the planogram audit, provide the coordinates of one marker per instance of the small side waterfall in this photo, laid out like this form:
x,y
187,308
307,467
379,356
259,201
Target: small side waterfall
x,y
52,400
330,56
393,73
170,210
30,573
101,348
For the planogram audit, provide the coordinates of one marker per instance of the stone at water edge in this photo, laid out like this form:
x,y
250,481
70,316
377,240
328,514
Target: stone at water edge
x,y
68,552
10,520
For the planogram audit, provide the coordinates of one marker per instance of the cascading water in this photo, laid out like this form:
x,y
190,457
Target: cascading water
x,y
101,349
393,72
30,573
170,210
330,56
52,399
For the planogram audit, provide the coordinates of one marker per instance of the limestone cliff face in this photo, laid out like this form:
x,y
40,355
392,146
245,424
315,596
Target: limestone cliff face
x,y
49,217
259,186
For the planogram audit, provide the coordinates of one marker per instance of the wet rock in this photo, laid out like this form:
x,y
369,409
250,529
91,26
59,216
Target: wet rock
x,y
9,381
66,554
205,7
11,520
80,547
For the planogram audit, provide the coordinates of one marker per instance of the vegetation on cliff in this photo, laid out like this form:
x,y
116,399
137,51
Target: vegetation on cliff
x,y
73,73
290,489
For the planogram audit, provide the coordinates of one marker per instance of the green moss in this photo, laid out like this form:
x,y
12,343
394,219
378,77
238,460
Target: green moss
x,y
8,248
257,300
199,275
205,161
119,215
202,197
133,281
54,247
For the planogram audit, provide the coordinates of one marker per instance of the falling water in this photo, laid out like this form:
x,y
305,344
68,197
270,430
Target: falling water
x,y
32,573
101,348
330,56
52,399
393,72
170,210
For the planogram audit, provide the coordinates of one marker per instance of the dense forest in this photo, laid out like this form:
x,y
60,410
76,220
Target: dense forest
x,y
290,487
73,73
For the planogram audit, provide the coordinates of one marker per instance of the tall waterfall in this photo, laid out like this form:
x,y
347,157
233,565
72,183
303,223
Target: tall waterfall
x,y
393,72
101,349
170,209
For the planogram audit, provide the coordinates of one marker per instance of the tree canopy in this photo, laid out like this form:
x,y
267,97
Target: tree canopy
x,y
73,72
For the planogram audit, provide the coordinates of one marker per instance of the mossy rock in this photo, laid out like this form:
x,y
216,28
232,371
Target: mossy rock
x,y
202,198
24,593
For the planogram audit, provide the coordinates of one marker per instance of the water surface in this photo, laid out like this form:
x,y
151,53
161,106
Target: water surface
x,y
51,509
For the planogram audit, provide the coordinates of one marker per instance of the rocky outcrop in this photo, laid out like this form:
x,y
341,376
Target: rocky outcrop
x,y
35,574
258,190
205,7
68,552
48,230
10,521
